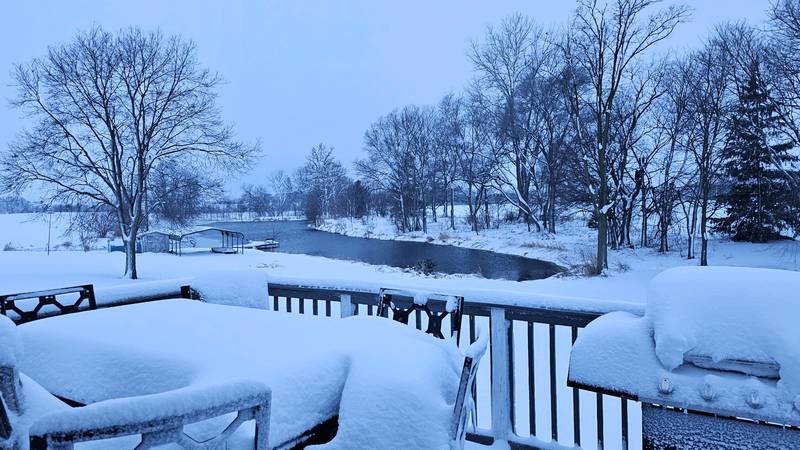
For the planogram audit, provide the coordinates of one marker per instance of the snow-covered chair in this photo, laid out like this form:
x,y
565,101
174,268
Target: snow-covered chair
x,y
27,411
464,410
437,307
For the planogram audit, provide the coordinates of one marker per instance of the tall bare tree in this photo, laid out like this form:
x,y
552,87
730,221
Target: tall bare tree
x,y
607,40
710,80
110,109
510,58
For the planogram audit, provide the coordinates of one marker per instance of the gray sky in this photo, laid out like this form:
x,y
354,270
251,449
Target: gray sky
x,y
303,72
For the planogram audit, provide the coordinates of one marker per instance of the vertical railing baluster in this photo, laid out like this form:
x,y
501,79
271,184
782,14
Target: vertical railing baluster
x,y
302,305
346,305
288,304
624,413
315,307
576,404
531,382
327,308
599,414
553,398
275,305
511,403
369,310
418,315
472,339
501,398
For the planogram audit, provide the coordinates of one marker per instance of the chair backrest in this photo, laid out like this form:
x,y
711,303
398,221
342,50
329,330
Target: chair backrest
x,y
29,306
10,385
5,423
436,307
464,408
160,418
10,398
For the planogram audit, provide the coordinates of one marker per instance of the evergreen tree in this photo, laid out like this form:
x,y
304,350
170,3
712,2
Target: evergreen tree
x,y
756,164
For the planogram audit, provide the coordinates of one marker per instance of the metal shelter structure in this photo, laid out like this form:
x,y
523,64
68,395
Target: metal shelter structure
x,y
232,241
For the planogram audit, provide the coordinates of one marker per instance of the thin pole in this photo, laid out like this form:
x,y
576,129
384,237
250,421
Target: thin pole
x,y
49,227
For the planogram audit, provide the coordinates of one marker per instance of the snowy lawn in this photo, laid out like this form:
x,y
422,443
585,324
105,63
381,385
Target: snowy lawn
x,y
627,280
34,270
391,386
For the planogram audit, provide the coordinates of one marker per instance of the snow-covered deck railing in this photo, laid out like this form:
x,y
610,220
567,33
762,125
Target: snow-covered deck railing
x,y
30,306
523,397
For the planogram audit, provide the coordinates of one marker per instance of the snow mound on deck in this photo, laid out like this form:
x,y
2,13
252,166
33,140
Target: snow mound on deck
x,y
731,313
10,344
722,313
240,287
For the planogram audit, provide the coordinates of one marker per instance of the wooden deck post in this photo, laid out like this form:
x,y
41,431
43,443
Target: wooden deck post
x,y
346,304
501,376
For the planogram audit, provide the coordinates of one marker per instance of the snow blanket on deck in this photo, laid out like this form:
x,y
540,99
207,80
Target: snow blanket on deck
x,y
391,385
718,313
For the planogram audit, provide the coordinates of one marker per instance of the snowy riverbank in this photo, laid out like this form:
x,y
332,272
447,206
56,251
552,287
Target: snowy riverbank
x,y
572,246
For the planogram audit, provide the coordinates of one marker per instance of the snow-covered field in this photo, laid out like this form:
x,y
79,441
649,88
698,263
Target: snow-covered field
x,y
626,282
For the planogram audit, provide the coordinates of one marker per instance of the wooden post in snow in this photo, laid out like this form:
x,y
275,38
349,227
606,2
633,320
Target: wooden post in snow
x,y
346,305
501,375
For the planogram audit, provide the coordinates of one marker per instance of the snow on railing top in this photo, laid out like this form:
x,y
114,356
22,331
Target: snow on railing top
x,y
421,297
498,297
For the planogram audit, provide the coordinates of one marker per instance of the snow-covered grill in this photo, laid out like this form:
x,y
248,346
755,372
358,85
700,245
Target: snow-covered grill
x,y
713,360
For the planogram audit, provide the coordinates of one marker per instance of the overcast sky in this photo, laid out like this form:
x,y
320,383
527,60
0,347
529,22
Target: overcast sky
x,y
303,72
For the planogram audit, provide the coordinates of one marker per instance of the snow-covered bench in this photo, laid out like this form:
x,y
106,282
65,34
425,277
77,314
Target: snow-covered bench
x,y
26,409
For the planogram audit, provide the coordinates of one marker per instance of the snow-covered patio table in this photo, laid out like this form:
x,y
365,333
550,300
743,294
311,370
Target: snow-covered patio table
x,y
390,385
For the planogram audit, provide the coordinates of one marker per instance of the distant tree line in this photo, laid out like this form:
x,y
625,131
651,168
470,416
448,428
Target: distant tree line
x,y
590,118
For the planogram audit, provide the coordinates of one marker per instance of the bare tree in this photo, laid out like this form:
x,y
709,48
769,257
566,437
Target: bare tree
x,y
399,161
256,200
108,111
709,77
509,58
321,180
607,39
282,189
449,143
672,120
176,196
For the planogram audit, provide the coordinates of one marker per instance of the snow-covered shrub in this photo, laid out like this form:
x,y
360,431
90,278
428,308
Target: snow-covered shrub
x,y
425,266
9,247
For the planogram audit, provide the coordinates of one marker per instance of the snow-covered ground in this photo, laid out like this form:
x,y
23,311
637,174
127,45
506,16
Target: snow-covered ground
x,y
626,282
572,245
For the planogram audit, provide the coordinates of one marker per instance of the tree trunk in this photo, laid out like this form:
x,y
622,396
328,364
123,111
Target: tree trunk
x,y
601,261
704,225
452,208
130,258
